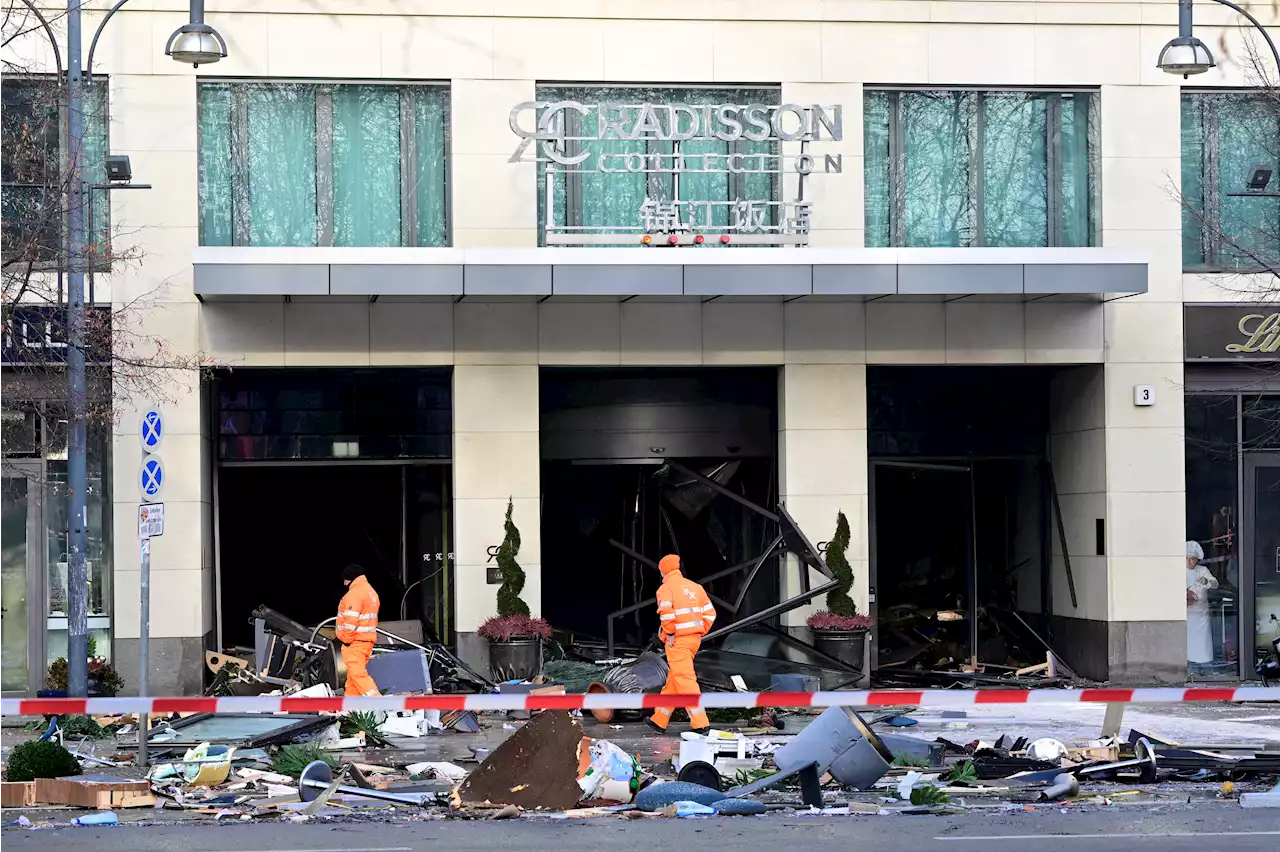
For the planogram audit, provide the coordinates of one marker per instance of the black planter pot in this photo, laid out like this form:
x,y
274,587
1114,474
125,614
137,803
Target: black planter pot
x,y
847,646
519,659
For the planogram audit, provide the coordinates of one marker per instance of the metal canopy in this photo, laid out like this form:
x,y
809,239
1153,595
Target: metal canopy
x,y
1016,273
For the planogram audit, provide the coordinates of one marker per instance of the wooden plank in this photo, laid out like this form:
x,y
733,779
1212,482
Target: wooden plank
x,y
17,794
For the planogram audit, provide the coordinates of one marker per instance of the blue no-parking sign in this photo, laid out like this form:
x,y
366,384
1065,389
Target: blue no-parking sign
x,y
152,431
152,478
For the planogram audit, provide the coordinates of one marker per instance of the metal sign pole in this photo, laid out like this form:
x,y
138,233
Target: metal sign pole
x,y
144,650
150,524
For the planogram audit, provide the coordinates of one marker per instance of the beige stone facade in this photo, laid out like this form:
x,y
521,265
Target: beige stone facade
x,y
1115,461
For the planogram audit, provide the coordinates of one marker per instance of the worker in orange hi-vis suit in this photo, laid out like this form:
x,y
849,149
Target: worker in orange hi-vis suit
x,y
357,630
685,615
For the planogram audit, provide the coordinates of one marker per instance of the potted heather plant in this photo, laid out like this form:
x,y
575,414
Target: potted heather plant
x,y
515,639
840,631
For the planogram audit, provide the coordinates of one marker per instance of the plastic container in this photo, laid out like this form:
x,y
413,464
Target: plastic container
x,y
104,818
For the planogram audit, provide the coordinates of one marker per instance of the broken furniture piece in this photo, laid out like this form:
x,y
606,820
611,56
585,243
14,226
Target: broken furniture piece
x,y
840,742
289,650
806,773
317,776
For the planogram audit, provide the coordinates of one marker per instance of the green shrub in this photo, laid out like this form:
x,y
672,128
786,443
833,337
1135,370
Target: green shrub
x,y
35,759
292,759
509,601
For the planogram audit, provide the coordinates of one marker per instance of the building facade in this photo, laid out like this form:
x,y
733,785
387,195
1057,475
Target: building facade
x,y
963,327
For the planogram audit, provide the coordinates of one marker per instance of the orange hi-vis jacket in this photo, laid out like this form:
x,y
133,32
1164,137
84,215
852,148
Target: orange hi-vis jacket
x,y
683,607
358,613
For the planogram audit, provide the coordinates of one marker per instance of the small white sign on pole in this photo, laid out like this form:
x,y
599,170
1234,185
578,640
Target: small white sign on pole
x,y
150,520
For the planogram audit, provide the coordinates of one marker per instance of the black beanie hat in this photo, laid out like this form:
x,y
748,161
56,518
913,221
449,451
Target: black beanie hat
x,y
351,572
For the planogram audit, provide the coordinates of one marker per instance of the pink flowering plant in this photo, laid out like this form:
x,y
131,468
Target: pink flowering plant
x,y
825,619
506,628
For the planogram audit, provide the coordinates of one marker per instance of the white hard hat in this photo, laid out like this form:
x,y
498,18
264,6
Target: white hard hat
x,y
1195,550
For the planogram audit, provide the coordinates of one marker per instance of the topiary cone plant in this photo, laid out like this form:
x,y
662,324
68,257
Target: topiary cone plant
x,y
512,656
838,600
509,600
839,630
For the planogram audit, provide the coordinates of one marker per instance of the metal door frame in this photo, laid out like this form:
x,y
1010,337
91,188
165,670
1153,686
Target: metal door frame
x,y
971,548
1249,464
37,565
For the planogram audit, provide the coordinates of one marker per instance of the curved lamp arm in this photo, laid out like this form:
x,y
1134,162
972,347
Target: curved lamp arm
x,y
1275,52
88,65
48,30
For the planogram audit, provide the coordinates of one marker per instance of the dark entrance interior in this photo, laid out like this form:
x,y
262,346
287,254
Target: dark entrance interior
x,y
960,515
607,436
319,468
287,532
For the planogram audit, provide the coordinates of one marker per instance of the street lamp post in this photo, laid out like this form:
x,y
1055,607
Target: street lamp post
x,y
1187,55
77,476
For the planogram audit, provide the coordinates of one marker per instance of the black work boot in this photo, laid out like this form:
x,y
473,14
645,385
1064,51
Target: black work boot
x,y
652,724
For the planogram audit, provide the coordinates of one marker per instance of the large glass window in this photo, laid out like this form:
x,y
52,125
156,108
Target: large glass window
x,y
613,200
1213,616
326,414
292,164
35,156
975,168
1225,135
98,533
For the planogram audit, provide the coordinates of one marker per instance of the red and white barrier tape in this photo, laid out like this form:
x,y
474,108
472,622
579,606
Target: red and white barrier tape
x,y
632,701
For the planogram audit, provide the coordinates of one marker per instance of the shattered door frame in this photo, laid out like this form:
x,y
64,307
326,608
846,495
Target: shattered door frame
x,y
789,538
964,464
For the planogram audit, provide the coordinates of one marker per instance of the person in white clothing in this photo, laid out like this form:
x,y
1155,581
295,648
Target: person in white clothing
x,y
1199,582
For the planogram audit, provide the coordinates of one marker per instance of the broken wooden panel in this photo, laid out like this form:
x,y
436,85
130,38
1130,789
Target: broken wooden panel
x,y
100,792
536,768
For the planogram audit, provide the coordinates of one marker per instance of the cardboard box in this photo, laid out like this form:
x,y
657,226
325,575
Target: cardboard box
x,y
99,792
17,794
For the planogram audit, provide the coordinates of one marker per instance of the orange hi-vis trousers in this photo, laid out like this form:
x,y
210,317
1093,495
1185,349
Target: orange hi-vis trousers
x,y
356,657
681,680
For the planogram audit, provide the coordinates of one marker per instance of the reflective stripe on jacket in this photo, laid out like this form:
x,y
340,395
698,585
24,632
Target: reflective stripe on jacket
x,y
683,607
358,613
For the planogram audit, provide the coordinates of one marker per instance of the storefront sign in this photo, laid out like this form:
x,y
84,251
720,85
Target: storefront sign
x,y
565,136
36,335
1232,332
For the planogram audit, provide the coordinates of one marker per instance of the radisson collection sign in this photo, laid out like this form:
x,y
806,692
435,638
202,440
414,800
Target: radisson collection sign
x,y
562,133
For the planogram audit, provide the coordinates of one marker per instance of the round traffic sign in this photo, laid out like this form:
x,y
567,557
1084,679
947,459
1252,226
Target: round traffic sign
x,y
152,430
152,478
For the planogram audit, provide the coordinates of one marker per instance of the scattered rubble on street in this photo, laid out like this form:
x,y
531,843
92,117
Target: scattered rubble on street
x,y
558,764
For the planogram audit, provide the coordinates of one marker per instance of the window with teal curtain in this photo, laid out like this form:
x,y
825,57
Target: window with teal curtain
x,y
1193,196
613,199
875,167
937,187
1225,135
366,166
281,138
431,130
215,165
323,164
1079,201
969,168
94,166
1015,181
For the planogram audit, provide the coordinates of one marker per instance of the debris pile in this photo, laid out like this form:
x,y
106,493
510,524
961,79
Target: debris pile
x,y
318,766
